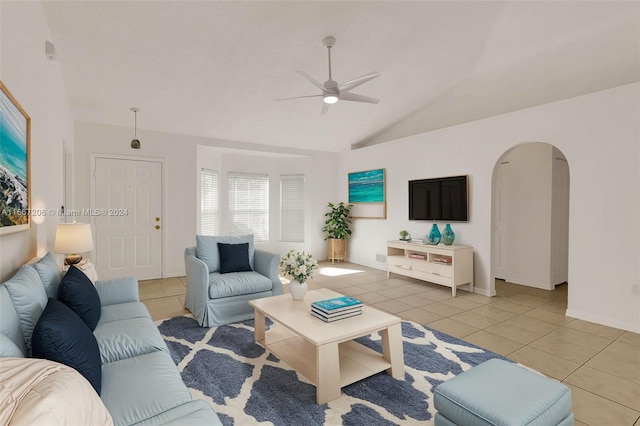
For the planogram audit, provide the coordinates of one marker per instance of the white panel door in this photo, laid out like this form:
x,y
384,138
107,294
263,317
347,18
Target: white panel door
x,y
128,204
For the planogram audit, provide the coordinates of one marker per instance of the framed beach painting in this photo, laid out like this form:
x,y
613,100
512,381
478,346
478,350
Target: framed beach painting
x,y
15,135
367,194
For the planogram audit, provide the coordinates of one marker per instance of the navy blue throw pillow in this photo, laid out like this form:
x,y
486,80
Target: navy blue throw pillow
x,y
234,257
78,293
61,336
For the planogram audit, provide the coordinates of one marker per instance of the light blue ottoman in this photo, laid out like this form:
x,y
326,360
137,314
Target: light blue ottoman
x,y
499,393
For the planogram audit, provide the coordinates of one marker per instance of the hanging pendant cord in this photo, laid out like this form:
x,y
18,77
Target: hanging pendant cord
x,y
329,47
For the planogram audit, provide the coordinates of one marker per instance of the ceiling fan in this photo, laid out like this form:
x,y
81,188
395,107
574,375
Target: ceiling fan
x,y
331,90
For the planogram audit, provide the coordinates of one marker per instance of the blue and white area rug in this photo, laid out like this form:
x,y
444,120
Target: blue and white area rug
x,y
247,385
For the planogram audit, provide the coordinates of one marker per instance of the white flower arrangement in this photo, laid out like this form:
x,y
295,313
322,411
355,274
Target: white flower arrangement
x,y
299,265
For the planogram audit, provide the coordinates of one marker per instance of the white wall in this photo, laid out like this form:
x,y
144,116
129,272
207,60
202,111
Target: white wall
x,y
600,137
37,85
184,156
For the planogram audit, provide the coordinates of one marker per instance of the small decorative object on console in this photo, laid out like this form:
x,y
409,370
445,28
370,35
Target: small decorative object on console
x,y
405,236
447,235
434,236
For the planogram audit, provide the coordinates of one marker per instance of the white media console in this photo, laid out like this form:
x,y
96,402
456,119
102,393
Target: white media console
x,y
451,266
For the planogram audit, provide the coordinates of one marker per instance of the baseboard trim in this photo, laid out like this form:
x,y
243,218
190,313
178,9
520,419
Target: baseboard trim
x,y
585,316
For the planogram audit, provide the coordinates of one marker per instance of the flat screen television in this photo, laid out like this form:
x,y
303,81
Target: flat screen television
x,y
439,199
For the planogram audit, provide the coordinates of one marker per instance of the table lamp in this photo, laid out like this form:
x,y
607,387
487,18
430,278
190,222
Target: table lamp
x,y
71,239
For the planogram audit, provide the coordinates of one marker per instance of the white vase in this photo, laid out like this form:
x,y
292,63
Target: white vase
x,y
297,289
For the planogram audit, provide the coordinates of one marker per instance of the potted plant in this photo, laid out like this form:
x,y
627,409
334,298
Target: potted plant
x,y
405,236
337,230
299,266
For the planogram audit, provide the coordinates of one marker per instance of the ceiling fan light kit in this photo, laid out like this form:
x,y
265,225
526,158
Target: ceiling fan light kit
x,y
332,92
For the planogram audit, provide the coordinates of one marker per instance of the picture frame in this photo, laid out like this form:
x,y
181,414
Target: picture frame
x,y
367,194
15,144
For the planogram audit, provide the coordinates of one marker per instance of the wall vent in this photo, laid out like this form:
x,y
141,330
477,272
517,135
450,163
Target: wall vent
x,y
382,258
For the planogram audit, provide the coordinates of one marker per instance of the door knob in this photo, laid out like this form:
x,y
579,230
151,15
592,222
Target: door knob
x,y
157,219
157,226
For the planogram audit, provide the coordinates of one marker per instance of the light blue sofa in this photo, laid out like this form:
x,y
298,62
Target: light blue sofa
x,y
140,382
216,298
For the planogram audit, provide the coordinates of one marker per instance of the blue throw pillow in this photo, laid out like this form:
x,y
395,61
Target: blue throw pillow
x,y
234,257
78,293
49,272
61,336
207,249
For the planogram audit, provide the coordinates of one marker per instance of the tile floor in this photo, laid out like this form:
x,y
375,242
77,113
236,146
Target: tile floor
x,y
600,364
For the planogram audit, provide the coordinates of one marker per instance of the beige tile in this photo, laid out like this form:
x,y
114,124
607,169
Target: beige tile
x,y
618,361
533,324
434,295
547,364
442,309
508,305
494,312
597,329
416,300
173,287
611,387
556,345
558,308
581,338
528,300
393,306
550,317
165,308
336,285
630,338
493,342
394,293
514,332
419,315
372,298
474,320
453,328
461,303
596,410
151,289
474,297
375,286
353,291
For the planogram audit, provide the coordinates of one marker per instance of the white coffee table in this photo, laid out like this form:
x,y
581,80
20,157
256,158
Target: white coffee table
x,y
325,353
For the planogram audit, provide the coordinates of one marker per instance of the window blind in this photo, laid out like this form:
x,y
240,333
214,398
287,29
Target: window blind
x,y
249,205
208,202
292,208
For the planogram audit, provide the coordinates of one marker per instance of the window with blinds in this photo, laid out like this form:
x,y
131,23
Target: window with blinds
x,y
249,205
292,208
209,217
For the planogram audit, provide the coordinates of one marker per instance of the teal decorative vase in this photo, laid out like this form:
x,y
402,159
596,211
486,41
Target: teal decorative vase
x,y
434,235
447,235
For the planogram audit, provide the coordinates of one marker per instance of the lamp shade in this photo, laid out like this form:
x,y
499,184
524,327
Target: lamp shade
x,y
73,238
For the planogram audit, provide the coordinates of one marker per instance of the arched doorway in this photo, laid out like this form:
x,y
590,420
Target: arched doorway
x,y
530,216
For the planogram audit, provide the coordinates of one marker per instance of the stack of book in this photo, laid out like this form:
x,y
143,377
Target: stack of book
x,y
337,308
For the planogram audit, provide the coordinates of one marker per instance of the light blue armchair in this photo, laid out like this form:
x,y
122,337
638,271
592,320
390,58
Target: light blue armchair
x,y
216,297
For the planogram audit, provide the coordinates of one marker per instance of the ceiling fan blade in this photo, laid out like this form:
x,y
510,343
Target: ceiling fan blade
x,y
325,108
312,80
298,97
346,96
355,82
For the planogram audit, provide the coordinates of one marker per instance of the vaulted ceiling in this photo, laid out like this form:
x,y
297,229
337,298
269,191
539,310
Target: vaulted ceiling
x,y
216,68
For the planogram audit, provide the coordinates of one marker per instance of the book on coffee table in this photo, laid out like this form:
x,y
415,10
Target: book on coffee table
x,y
336,304
337,316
